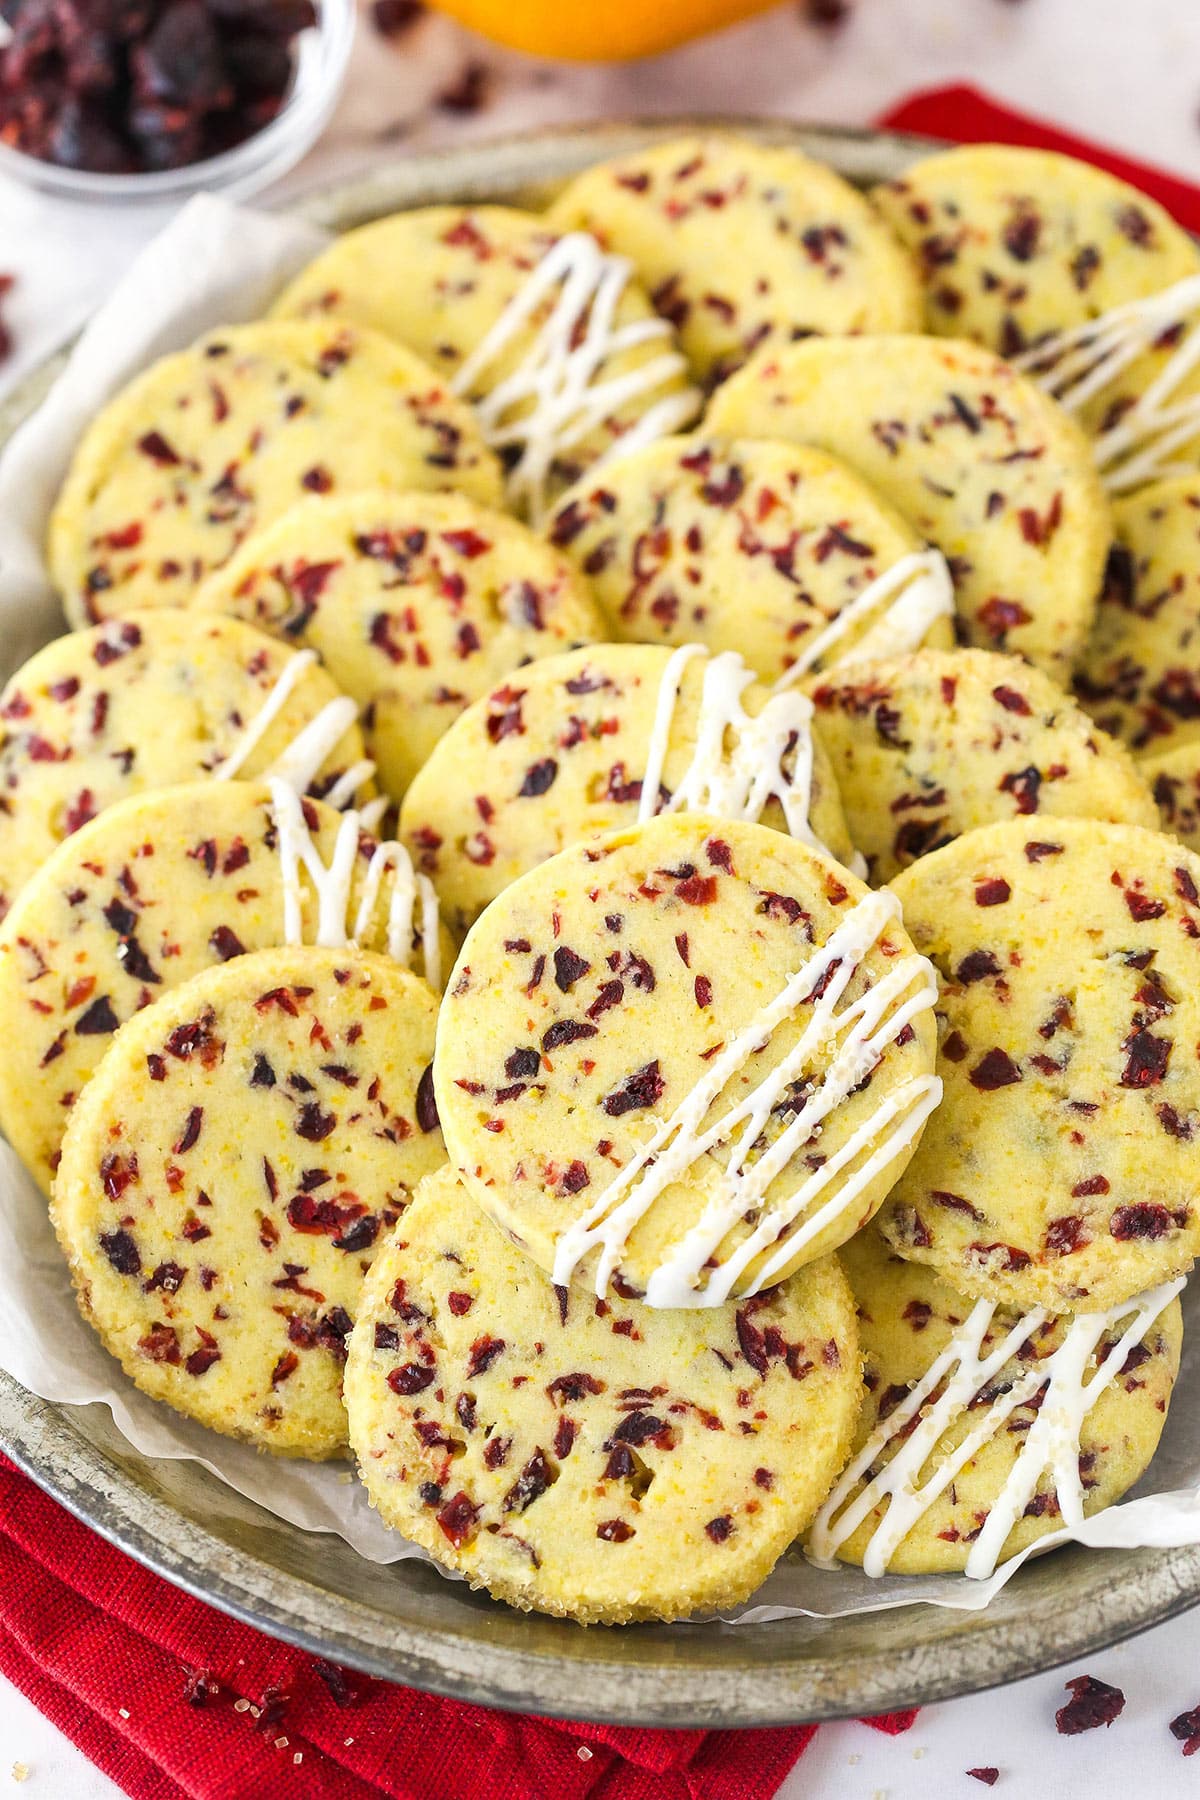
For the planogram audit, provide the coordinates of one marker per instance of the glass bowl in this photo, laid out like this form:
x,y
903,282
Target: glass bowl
x,y
322,54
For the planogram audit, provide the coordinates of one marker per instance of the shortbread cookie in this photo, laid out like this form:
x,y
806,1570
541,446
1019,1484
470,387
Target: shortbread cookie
x,y
479,293
1060,1167
229,1173
645,1039
976,1438
973,455
599,1461
1013,244
1174,779
417,603
756,547
559,753
159,887
1140,674
213,443
143,702
928,746
742,245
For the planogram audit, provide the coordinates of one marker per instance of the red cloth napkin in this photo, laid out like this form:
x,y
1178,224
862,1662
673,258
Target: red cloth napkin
x,y
964,115
176,1702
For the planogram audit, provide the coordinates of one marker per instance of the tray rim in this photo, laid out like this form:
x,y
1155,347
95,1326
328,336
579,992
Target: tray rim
x,y
47,1441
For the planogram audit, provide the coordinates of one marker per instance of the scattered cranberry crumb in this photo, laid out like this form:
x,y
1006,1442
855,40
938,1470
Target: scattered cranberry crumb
x,y
1093,1703
988,1776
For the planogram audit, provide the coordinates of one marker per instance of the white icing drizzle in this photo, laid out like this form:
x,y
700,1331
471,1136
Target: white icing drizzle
x,y
556,396
300,761
910,597
333,882
686,1276
952,1381
737,761
1075,366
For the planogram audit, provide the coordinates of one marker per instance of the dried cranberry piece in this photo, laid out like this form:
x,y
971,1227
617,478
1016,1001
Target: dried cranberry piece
x,y
337,1682
409,1378
121,1252
1186,1727
989,1776
457,1518
643,1088
427,1112
531,1483
1094,1703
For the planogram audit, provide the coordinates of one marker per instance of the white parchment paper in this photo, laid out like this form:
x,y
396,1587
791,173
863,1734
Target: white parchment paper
x,y
217,264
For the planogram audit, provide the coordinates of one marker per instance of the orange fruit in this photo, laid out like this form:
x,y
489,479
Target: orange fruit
x,y
587,32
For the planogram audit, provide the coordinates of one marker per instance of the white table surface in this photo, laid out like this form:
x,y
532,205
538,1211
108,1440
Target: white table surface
x,y
1122,71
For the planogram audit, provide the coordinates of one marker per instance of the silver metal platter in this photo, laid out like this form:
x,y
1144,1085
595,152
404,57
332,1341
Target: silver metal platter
x,y
407,1623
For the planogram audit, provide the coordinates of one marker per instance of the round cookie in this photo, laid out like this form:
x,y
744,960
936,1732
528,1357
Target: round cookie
x,y
159,887
417,603
750,546
1059,1169
230,1171
558,754
1140,673
1174,779
141,702
925,747
910,1318
742,245
440,279
599,1461
644,1038
213,443
975,458
1013,244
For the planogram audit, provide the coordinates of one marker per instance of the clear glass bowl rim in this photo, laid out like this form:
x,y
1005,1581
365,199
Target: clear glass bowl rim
x,y
322,56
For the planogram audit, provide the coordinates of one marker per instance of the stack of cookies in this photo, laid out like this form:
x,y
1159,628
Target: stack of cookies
x,y
751,1098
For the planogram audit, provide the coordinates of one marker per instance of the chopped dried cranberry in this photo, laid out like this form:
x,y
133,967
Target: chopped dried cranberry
x,y
993,892
565,1031
98,1019
457,1519
643,1088
1186,1727
539,779
531,1483
1140,1220
409,1378
989,1776
1093,1703
614,1531
569,967
995,1070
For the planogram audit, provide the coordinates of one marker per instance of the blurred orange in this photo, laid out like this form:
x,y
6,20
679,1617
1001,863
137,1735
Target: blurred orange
x,y
597,30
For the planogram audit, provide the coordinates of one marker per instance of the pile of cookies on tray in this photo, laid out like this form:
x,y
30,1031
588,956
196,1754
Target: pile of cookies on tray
x,y
601,907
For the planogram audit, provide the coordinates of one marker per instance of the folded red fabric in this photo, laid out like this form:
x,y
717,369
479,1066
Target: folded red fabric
x,y
176,1702
964,115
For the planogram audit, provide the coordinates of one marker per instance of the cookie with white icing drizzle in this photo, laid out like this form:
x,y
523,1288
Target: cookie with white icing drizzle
x,y
1140,673
1080,277
686,1059
214,442
986,1428
1013,244
973,455
159,887
417,603
927,746
564,749
147,701
775,550
589,1458
229,1174
742,245
554,341
1059,1169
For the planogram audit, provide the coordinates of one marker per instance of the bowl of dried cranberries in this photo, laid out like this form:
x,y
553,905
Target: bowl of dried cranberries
x,y
158,99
